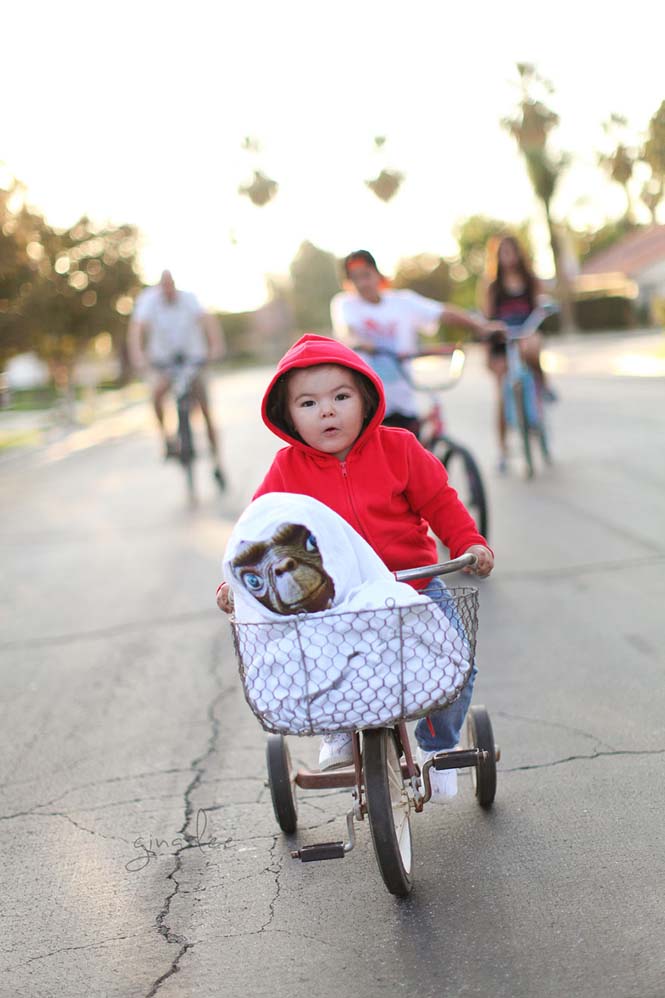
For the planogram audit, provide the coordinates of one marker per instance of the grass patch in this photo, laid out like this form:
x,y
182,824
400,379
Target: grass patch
x,y
20,438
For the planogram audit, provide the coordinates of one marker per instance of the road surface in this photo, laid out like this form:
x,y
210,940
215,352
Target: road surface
x,y
139,848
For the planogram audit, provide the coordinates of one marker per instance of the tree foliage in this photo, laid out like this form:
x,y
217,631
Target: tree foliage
x,y
473,235
425,273
386,185
653,154
20,250
619,163
60,288
314,281
87,281
261,189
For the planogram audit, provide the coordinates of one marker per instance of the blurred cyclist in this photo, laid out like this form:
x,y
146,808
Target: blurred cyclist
x,y
167,323
510,292
378,318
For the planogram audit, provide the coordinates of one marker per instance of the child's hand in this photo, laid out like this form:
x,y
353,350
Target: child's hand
x,y
485,562
495,329
225,598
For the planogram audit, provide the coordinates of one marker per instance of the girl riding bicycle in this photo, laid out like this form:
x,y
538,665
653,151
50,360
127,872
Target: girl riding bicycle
x,y
327,404
509,295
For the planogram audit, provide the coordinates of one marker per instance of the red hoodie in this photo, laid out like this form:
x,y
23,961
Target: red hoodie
x,y
389,488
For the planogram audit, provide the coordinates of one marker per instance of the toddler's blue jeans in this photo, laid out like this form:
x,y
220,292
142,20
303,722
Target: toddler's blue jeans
x,y
447,723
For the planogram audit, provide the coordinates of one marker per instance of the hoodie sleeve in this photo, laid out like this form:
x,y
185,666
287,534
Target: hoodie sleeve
x,y
430,494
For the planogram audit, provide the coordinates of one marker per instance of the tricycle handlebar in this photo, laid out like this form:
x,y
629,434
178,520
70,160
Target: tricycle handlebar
x,y
443,568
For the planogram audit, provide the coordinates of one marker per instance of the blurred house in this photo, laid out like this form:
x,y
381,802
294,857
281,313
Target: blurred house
x,y
637,259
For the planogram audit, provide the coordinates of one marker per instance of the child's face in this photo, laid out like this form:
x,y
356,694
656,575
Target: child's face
x,y
366,280
326,408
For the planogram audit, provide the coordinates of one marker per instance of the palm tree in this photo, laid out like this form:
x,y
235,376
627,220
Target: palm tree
x,y
620,163
261,189
530,126
388,182
653,153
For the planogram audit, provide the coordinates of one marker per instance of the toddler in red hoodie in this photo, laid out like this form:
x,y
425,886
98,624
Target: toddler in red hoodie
x,y
327,404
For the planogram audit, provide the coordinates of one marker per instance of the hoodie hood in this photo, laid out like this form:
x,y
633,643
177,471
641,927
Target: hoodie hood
x,y
308,351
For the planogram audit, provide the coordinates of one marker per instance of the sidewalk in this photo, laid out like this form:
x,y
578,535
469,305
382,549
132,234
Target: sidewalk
x,y
638,354
38,428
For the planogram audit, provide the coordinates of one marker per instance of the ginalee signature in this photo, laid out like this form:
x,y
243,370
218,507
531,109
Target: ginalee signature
x,y
154,848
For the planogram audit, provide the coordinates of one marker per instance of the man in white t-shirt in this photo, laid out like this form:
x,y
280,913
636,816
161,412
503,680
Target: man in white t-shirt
x,y
377,321
168,323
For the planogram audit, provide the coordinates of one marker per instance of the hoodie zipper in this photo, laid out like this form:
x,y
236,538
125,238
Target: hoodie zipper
x,y
345,476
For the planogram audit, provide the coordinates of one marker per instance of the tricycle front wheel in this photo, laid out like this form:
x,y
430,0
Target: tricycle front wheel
x,y
388,810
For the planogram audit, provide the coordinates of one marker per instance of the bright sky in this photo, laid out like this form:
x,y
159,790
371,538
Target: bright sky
x,y
135,112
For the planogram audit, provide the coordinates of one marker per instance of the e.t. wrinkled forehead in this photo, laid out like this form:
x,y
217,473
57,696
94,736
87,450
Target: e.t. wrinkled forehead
x,y
251,552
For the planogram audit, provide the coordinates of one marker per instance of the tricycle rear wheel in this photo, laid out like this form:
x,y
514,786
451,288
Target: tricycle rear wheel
x,y
481,736
282,787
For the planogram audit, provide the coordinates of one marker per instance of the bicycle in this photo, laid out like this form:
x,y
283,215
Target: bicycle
x,y
431,372
522,393
386,783
182,373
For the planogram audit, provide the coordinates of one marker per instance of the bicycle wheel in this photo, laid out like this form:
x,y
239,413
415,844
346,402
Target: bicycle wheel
x,y
186,443
543,436
480,735
388,810
523,425
465,478
282,787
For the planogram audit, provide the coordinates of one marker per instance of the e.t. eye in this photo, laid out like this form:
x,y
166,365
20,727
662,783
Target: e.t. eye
x,y
310,543
252,581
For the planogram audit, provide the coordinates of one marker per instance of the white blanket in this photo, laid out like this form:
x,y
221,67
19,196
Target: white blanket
x,y
327,639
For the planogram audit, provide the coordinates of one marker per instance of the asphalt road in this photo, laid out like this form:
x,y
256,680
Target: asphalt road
x,y
139,851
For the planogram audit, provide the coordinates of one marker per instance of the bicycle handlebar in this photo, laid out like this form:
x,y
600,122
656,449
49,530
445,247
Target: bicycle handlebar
x,y
531,323
443,568
452,350
179,360
439,350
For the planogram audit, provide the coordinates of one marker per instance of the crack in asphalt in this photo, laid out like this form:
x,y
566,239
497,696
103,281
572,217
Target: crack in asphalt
x,y
576,758
554,724
82,828
100,783
65,949
275,868
36,813
99,633
198,766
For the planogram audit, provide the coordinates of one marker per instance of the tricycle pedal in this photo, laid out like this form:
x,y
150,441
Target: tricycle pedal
x,y
457,759
321,850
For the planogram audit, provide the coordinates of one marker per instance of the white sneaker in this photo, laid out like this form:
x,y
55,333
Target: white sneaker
x,y
336,751
443,781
